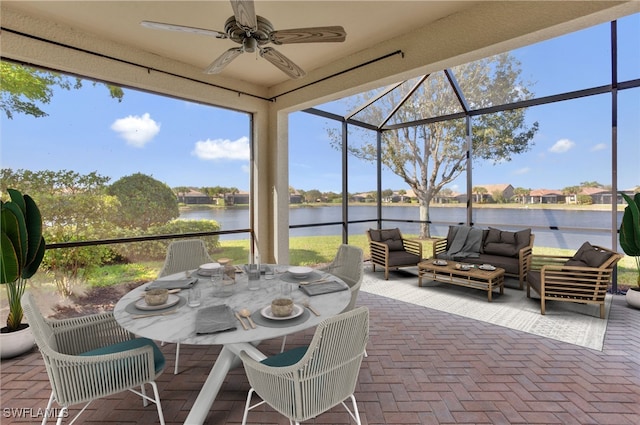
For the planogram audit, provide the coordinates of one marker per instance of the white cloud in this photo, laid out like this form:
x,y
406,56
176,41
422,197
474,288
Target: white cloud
x,y
136,130
562,146
223,149
599,147
524,170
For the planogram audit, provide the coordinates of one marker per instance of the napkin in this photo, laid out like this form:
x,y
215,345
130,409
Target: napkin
x,y
320,288
218,318
173,284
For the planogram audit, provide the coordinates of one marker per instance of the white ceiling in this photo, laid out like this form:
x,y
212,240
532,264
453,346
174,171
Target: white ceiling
x,y
366,23
430,34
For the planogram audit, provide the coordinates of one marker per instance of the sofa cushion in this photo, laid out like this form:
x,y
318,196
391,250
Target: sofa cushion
x,y
588,256
508,244
402,258
392,238
509,264
375,235
535,280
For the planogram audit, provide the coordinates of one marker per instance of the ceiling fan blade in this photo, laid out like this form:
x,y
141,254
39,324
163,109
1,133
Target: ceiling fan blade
x,y
282,62
309,35
245,13
223,60
182,28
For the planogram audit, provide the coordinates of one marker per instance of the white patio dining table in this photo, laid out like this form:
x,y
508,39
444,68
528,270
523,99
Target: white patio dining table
x,y
179,326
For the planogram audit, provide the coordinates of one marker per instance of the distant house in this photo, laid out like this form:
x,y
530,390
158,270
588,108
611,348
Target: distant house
x,y
194,197
545,196
504,190
239,198
598,195
295,198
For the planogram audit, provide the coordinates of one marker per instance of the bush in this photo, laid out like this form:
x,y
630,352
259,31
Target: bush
x,y
157,250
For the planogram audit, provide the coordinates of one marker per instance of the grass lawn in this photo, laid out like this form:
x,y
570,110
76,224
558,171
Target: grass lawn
x,y
309,251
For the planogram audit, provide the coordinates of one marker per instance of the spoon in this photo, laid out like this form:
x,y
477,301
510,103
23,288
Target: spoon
x,y
308,305
247,315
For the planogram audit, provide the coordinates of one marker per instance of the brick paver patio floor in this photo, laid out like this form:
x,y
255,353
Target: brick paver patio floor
x,y
424,367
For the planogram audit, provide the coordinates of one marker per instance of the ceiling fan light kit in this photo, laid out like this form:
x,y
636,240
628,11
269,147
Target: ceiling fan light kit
x,y
253,32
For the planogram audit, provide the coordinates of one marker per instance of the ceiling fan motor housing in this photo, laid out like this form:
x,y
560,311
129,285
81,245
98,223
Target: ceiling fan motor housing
x,y
242,36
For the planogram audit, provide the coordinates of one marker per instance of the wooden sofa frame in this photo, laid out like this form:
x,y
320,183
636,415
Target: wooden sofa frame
x,y
584,285
524,256
382,256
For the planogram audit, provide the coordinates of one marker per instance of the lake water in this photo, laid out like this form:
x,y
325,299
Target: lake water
x,y
573,226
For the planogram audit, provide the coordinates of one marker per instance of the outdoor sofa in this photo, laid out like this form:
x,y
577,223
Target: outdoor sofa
x,y
508,250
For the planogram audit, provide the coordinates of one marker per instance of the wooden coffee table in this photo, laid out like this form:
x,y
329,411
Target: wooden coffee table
x,y
486,280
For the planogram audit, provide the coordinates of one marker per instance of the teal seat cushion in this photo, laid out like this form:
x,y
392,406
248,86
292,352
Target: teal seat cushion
x,y
286,358
158,357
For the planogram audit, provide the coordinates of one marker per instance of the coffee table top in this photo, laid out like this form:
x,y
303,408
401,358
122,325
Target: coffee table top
x,y
452,267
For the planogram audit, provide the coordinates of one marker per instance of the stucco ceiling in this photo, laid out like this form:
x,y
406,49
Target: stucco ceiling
x,y
429,33
366,23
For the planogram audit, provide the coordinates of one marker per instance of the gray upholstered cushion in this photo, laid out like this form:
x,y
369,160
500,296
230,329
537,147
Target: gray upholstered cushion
x,y
505,243
588,256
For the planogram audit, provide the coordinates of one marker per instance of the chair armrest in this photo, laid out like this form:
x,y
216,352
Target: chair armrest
x,y
79,334
413,246
84,378
379,252
439,246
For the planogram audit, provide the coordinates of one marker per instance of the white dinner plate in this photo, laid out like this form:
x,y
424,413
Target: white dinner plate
x,y
487,267
171,301
297,311
300,272
440,263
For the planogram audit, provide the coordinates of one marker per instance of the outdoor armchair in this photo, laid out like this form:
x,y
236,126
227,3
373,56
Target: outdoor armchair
x,y
583,278
304,382
187,254
390,250
90,357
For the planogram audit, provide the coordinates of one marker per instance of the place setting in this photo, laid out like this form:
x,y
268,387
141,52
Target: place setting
x,y
156,302
282,311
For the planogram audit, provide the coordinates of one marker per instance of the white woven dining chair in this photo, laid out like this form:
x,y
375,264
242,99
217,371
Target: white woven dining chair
x,y
305,382
183,255
348,265
91,357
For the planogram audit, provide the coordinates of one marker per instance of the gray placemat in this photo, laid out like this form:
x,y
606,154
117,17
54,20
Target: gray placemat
x,y
214,319
132,309
263,321
288,277
173,284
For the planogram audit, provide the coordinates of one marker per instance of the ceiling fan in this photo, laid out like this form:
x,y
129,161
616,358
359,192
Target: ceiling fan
x,y
254,32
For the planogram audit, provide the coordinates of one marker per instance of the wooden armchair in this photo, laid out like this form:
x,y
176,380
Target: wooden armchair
x,y
390,250
583,278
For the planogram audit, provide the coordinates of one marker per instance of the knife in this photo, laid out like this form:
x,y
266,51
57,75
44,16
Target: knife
x,y
142,316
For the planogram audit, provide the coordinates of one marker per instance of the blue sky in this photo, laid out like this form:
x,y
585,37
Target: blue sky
x,y
186,144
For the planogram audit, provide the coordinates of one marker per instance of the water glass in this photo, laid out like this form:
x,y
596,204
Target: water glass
x,y
285,290
269,273
224,287
194,296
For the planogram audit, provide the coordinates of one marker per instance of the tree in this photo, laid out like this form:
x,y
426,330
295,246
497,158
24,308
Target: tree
x,y
521,193
144,201
23,88
479,191
428,157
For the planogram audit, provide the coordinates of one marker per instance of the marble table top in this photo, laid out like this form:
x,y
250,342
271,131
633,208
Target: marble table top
x,y
180,326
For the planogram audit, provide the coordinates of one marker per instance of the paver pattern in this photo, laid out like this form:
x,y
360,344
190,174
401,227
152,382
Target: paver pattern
x,y
423,367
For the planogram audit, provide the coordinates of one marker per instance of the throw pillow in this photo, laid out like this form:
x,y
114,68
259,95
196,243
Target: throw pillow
x,y
588,256
375,235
